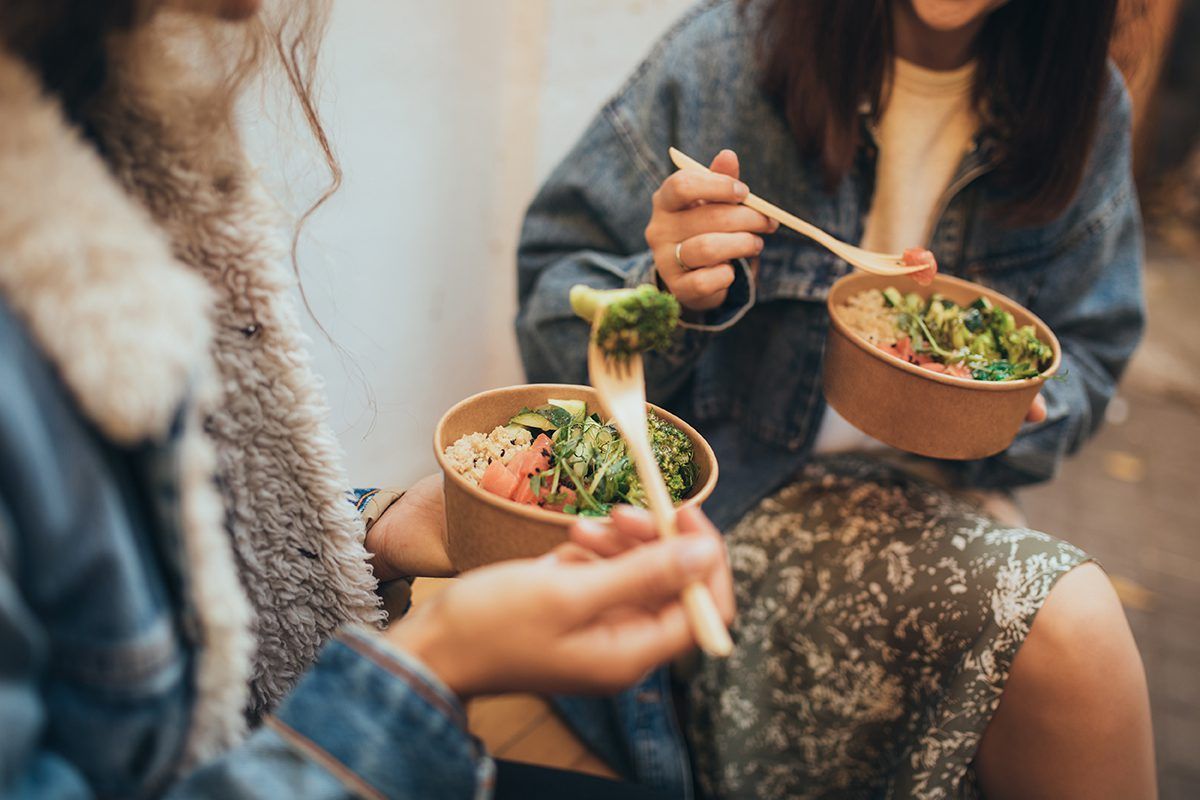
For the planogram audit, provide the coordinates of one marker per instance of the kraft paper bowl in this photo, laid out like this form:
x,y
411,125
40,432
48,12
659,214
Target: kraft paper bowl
x,y
482,528
916,410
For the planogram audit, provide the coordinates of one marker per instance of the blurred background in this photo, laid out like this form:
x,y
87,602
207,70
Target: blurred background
x,y
446,116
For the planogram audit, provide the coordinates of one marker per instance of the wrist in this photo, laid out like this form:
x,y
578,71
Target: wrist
x,y
423,638
385,571
374,506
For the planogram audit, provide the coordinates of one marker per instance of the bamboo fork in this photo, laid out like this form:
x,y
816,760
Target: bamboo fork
x,y
621,386
866,260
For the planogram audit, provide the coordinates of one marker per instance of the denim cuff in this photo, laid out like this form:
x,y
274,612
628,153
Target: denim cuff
x,y
740,299
381,723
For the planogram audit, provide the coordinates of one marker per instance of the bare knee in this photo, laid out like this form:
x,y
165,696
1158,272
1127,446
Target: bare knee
x,y
1074,719
1080,641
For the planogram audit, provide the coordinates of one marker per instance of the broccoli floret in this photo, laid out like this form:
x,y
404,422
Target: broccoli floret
x,y
676,456
984,345
1002,322
1024,347
633,320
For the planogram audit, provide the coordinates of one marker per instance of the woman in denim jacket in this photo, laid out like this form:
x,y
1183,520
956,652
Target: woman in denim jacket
x,y
177,545
881,606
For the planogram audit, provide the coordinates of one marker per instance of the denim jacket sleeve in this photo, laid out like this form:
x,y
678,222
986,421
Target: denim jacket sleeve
x,y
1091,297
586,225
367,721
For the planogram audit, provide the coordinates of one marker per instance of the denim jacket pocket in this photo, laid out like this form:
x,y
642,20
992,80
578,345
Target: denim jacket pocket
x,y
792,268
126,669
128,699
1013,262
1018,276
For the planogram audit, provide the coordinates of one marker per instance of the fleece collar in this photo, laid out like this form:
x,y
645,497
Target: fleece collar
x,y
90,274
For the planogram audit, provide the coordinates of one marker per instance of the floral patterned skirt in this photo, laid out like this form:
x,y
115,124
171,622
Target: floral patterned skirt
x,y
878,616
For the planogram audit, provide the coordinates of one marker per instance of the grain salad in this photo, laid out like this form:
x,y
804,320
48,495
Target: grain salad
x,y
868,314
561,457
978,341
471,454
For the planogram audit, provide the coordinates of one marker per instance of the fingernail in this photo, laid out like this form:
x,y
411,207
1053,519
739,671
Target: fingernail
x,y
591,527
758,244
696,554
635,513
740,189
774,225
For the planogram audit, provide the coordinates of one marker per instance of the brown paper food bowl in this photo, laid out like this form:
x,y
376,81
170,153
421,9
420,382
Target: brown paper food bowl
x,y
482,528
916,410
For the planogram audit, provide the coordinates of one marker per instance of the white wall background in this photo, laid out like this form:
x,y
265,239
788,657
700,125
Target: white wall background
x,y
445,117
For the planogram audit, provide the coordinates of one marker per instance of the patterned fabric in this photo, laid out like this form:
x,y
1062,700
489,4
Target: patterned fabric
x,y
878,615
371,503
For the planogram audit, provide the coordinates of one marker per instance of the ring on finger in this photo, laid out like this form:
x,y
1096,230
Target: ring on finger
x,y
679,258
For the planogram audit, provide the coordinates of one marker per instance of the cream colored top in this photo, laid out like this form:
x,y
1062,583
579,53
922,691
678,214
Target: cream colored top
x,y
926,127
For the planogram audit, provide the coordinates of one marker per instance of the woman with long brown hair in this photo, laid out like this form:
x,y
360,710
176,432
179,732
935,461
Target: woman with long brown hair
x,y
900,632
179,553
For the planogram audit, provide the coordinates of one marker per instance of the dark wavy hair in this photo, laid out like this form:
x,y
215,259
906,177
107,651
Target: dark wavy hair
x,y
65,42
1040,78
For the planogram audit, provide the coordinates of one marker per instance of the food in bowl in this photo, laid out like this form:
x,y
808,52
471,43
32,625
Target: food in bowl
x,y
560,457
978,341
483,527
916,409
920,257
631,320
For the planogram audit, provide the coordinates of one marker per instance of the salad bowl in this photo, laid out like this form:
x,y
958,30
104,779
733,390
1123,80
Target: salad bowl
x,y
481,527
913,408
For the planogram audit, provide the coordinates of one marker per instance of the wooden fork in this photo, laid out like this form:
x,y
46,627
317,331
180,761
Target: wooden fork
x,y
621,386
866,260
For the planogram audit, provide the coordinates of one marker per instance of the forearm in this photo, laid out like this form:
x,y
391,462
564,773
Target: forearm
x,y
367,720
405,530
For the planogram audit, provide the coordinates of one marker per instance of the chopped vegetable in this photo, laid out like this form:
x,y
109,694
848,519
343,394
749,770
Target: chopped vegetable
x,y
576,408
634,320
577,464
915,256
534,420
676,456
979,341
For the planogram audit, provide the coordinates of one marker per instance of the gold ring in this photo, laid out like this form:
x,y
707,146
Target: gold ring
x,y
679,258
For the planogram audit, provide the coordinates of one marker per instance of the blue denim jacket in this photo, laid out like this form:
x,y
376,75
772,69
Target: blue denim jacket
x,y
97,649
748,375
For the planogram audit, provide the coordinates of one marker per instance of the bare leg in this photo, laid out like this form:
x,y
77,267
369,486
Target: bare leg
x,y
1074,719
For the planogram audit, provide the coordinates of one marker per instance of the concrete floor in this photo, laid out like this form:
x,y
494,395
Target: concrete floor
x,y
1131,497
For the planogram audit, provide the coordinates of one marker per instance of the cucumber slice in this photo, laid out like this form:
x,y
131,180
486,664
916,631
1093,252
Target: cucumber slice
x,y
596,435
893,297
576,408
532,419
558,417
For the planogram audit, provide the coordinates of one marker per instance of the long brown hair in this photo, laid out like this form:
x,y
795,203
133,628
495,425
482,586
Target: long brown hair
x,y
1039,82
64,41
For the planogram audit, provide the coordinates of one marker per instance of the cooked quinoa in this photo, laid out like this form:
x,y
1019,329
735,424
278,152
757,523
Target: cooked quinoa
x,y
868,315
472,453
